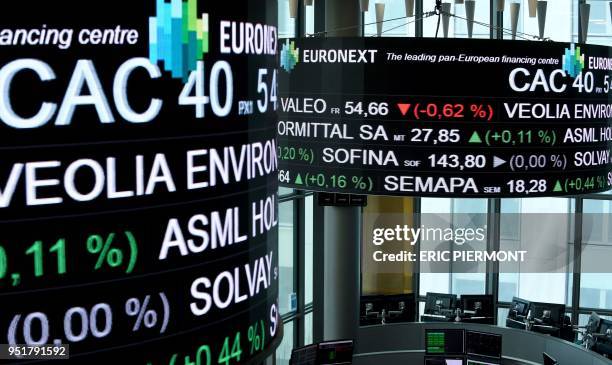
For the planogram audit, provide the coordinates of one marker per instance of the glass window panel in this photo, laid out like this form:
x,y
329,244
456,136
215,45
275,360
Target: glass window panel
x,y
543,287
430,24
286,25
468,283
285,256
511,227
285,191
600,27
543,205
448,205
519,231
481,15
283,352
597,222
309,19
394,9
468,213
436,205
308,330
308,249
470,206
596,288
559,20
502,314
508,286
457,27
435,282
570,280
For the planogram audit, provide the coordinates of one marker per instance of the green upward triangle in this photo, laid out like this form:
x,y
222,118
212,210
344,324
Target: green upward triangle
x,y
475,138
558,186
298,180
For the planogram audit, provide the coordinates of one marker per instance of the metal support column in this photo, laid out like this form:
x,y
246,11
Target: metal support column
x,y
579,208
580,30
418,25
493,245
337,257
318,267
342,283
497,21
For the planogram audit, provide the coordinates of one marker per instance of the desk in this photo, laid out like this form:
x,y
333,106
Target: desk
x,y
404,343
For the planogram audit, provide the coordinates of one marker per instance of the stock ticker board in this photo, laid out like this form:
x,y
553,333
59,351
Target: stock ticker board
x,y
445,117
138,182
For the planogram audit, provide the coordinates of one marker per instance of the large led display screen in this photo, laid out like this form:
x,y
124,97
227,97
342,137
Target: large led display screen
x,y
138,182
445,117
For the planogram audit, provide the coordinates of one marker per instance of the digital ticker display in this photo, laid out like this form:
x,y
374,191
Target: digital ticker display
x,y
445,117
138,181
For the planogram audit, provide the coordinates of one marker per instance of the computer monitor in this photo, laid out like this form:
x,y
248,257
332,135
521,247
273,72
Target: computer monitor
x,y
605,328
306,355
603,345
477,305
593,323
400,308
444,342
520,307
444,360
517,314
371,309
335,352
396,308
484,344
548,360
548,314
437,303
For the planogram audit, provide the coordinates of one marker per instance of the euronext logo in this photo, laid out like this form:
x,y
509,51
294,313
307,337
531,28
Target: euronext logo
x,y
289,56
178,37
573,61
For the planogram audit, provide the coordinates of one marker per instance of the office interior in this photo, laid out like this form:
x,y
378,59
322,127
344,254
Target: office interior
x,y
522,317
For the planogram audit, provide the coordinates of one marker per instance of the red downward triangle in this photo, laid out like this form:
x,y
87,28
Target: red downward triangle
x,y
403,108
